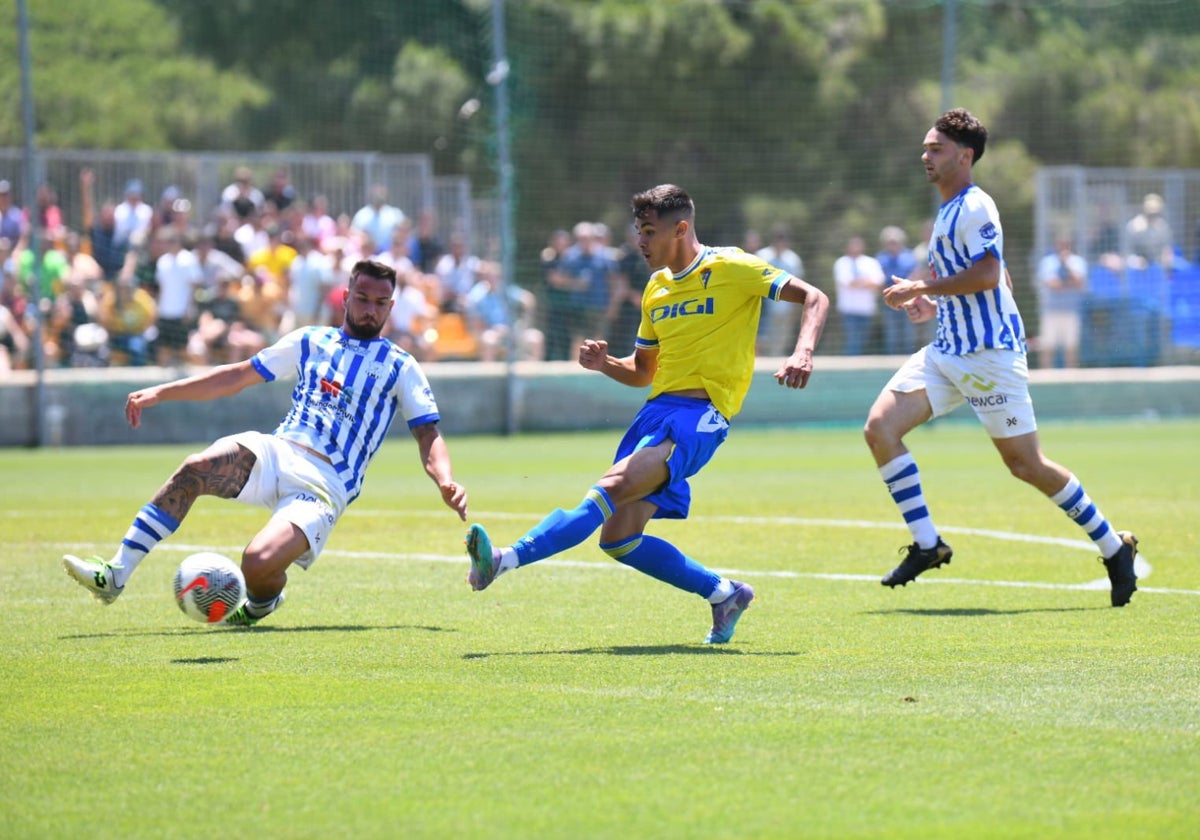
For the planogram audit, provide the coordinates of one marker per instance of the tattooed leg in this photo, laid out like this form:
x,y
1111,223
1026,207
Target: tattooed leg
x,y
221,470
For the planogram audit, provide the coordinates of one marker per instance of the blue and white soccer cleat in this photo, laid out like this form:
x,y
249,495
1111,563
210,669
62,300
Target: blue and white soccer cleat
x,y
726,614
95,574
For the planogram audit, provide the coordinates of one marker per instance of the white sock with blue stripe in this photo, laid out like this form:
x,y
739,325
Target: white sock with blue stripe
x,y
1076,504
903,481
151,526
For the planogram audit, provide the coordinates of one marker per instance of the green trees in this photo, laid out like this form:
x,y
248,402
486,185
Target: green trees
x,y
117,75
769,111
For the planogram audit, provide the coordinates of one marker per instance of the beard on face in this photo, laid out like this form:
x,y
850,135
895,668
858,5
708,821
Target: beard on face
x,y
359,329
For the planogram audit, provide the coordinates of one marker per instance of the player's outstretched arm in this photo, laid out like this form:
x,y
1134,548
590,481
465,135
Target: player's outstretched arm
x,y
435,457
797,368
220,381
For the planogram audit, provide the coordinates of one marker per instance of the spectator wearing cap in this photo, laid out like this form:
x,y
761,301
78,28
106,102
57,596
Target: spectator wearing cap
x,y
132,215
12,220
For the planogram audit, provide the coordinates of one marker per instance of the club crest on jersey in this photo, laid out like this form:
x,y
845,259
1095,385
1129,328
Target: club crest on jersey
x,y
692,306
988,231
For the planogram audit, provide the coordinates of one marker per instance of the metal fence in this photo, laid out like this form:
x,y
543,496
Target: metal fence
x,y
344,178
1139,311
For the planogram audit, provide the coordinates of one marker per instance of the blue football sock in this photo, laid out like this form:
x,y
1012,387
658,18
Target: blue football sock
x,y
663,561
564,529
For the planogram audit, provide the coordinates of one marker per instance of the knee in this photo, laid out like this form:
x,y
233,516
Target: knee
x,y
263,575
877,434
1024,468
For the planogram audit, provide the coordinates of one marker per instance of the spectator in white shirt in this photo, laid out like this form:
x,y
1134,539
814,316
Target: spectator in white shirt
x,y
859,278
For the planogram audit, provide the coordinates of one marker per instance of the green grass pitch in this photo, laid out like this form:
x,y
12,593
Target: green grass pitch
x,y
999,696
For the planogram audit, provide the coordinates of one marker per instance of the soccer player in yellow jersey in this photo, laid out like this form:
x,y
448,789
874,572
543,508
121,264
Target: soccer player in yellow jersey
x,y
695,349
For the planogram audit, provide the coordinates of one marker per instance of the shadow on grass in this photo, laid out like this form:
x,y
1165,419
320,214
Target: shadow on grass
x,y
328,628
978,611
633,650
205,660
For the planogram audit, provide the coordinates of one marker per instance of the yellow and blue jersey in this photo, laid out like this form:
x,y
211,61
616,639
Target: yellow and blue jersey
x,y
703,323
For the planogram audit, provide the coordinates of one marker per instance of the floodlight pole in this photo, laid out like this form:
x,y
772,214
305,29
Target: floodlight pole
x,y
498,79
33,175
949,35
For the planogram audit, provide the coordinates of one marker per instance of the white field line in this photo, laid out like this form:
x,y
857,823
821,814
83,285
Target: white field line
x,y
1143,567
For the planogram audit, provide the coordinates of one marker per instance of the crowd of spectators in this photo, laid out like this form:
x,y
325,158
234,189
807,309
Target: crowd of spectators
x,y
143,283
148,283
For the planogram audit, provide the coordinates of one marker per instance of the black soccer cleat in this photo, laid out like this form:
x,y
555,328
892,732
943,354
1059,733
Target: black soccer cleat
x,y
918,560
1120,569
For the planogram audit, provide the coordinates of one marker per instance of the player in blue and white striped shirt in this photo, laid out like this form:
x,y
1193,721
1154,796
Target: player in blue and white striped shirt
x,y
350,383
978,357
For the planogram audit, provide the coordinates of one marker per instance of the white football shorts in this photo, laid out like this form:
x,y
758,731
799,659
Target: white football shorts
x,y
296,486
995,383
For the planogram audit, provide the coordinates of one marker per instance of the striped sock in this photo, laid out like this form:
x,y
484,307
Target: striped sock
x,y
903,481
564,529
151,526
263,608
663,561
1076,504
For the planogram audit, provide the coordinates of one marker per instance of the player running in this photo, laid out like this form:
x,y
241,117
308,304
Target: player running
x,y
978,357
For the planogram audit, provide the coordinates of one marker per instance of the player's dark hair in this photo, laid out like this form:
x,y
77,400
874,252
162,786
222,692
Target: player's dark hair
x,y
668,201
961,126
375,269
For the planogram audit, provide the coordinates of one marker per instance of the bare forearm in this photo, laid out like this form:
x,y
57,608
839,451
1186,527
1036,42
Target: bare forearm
x,y
435,457
626,371
812,322
980,276
221,381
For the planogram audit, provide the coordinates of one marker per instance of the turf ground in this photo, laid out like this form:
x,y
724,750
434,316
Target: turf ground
x,y
1000,696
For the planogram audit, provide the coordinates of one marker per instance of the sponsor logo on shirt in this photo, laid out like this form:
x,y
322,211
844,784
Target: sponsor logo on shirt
x,y
692,306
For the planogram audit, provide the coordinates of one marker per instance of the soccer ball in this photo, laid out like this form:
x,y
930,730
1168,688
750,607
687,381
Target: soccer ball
x,y
209,586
